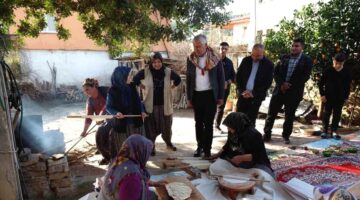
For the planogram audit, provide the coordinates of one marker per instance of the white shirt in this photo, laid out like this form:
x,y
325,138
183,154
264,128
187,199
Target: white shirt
x,y
251,80
202,81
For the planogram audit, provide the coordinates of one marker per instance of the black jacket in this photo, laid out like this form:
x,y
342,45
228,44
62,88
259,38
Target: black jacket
x,y
252,143
300,75
334,85
263,77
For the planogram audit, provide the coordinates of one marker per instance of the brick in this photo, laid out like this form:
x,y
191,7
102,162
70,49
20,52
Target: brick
x,y
40,166
35,179
35,193
58,168
61,192
56,176
35,186
61,183
34,174
33,159
52,162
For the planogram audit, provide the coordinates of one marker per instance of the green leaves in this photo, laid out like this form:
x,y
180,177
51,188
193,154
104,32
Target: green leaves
x,y
327,28
115,23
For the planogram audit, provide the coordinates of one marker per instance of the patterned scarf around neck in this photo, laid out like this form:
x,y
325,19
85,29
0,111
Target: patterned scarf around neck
x,y
211,57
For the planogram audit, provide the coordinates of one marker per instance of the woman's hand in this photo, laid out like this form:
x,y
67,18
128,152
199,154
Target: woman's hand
x,y
83,134
143,115
119,115
236,160
323,99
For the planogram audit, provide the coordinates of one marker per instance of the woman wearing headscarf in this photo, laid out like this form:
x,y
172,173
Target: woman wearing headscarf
x,y
96,105
127,176
123,99
244,147
96,100
156,81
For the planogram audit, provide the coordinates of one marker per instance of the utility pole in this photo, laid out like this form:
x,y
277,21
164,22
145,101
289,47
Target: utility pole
x,y
10,188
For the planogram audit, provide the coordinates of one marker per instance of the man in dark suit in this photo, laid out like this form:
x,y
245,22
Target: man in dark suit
x,y
253,79
290,75
229,74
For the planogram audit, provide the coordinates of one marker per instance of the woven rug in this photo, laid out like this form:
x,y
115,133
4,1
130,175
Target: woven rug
x,y
343,175
318,170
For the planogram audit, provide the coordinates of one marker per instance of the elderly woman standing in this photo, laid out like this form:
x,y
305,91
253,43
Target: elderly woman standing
x,y
156,83
123,99
127,176
244,147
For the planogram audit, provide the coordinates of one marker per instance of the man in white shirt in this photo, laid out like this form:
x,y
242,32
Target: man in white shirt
x,y
205,90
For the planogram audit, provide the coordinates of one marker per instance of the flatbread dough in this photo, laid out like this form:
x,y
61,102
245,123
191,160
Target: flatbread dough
x,y
178,190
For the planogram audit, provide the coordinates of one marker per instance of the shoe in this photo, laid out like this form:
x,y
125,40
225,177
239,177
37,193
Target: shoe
x,y
324,136
286,141
337,137
207,155
171,147
197,153
266,137
104,161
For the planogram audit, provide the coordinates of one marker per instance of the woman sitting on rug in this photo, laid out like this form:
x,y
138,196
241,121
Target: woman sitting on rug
x,y
244,147
123,99
127,176
157,82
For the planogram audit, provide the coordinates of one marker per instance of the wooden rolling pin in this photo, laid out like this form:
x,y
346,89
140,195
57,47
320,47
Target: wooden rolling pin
x,y
99,117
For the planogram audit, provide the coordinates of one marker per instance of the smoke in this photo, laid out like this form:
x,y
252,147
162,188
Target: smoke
x,y
32,135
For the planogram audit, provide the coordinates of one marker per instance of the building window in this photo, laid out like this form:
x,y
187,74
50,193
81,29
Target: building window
x,y
228,32
259,35
50,24
244,32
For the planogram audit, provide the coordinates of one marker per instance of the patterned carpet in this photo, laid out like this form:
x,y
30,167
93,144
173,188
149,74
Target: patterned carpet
x,y
318,170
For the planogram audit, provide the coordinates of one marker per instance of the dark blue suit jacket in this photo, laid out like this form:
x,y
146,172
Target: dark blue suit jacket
x,y
263,77
300,75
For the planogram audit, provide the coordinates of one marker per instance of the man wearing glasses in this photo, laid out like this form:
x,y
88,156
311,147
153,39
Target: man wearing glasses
x,y
290,75
229,73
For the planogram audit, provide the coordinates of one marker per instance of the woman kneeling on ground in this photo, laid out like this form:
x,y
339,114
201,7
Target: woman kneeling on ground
x,y
244,147
127,176
156,83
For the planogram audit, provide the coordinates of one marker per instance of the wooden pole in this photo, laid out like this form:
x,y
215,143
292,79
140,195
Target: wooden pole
x,y
99,117
9,177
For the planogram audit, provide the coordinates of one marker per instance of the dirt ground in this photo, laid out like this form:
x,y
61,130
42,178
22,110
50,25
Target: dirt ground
x,y
84,174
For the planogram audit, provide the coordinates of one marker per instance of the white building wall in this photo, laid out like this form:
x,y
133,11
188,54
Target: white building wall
x,y
72,66
264,14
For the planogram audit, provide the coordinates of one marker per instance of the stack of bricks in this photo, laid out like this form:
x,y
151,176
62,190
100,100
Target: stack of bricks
x,y
59,175
35,177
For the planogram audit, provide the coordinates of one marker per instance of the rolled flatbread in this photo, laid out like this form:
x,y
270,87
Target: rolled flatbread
x,y
178,190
